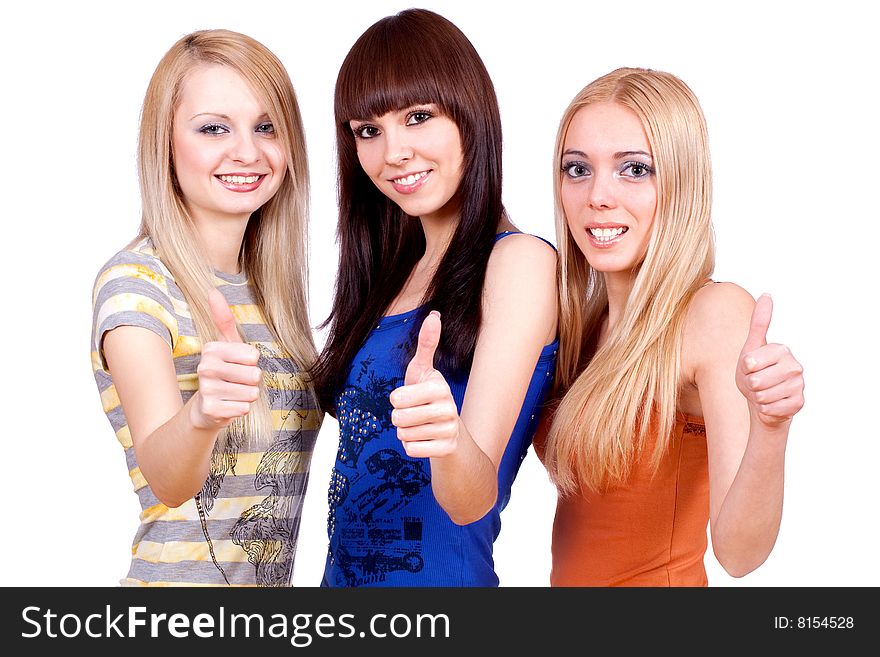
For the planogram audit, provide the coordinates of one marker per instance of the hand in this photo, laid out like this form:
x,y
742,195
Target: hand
x,y
229,379
424,412
768,375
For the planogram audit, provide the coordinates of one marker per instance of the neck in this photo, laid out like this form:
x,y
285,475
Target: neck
x,y
438,234
222,239
618,286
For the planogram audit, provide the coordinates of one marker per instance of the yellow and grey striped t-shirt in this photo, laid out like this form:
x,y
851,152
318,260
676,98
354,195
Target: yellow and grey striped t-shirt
x,y
242,527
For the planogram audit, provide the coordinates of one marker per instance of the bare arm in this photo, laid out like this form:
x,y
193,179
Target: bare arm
x,y
519,318
748,392
172,441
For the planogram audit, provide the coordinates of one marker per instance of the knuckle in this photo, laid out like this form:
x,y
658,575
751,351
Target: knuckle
x,y
209,407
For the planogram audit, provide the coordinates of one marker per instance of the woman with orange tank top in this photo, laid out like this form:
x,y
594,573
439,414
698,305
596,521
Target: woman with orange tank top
x,y
671,412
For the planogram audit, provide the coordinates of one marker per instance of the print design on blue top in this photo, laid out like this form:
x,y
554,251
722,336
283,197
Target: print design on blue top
x,y
401,478
265,531
374,565
364,414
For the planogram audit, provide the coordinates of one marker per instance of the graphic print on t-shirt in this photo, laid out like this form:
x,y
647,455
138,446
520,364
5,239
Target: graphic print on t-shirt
x,y
266,531
372,484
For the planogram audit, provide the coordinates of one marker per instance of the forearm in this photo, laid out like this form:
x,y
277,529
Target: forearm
x,y
748,522
464,482
175,458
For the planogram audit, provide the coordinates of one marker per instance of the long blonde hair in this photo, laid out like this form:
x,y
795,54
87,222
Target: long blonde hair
x,y
274,251
612,393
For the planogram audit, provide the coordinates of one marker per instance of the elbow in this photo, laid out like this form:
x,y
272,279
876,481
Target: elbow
x,y
171,501
169,497
735,570
472,513
738,570
737,565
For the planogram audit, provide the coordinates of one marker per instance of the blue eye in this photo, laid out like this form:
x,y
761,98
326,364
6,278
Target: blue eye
x,y
213,129
636,170
575,169
266,128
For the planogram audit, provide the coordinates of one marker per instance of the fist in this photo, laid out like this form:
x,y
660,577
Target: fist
x,y
768,375
424,411
229,379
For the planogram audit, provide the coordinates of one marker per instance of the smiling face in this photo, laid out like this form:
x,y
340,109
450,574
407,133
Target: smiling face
x,y
609,188
227,158
414,156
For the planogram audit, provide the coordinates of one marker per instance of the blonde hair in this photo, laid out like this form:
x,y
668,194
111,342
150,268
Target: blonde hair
x,y
611,396
274,251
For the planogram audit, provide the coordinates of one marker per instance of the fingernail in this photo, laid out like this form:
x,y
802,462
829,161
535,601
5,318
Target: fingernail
x,y
436,313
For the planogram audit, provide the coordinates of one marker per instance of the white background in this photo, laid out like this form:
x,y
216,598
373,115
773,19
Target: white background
x,y
788,89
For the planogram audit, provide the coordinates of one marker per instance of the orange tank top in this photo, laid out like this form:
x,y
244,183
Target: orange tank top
x,y
649,532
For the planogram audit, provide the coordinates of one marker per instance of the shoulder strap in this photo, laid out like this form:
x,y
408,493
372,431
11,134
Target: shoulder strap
x,y
499,236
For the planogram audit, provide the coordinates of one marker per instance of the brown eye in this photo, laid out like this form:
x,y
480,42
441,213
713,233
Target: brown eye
x,y
417,117
365,132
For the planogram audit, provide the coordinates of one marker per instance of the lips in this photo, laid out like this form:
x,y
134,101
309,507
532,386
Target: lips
x,y
241,182
604,236
411,182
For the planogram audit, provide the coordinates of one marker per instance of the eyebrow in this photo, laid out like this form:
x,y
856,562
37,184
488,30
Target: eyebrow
x,y
225,117
617,156
217,114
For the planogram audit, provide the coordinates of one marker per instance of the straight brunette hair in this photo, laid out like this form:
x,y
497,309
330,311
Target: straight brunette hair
x,y
412,58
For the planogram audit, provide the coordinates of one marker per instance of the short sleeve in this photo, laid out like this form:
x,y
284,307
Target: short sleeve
x,y
132,290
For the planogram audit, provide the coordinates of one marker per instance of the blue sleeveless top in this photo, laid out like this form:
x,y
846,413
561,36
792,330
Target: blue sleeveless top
x,y
384,525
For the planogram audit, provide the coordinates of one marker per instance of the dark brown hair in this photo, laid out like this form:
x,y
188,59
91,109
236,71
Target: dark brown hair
x,y
414,57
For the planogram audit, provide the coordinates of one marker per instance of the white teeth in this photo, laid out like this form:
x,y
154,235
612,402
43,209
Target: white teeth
x,y
410,179
607,234
240,180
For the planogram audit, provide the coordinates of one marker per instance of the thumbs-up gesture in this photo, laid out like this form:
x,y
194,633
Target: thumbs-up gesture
x,y
768,375
424,412
229,379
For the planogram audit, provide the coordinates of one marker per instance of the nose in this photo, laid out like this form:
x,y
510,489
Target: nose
x,y
243,148
397,148
601,191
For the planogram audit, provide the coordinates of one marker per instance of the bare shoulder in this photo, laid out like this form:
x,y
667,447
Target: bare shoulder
x,y
717,322
520,291
523,252
717,304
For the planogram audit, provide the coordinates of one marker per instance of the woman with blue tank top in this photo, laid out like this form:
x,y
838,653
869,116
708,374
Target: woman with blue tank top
x,y
442,335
